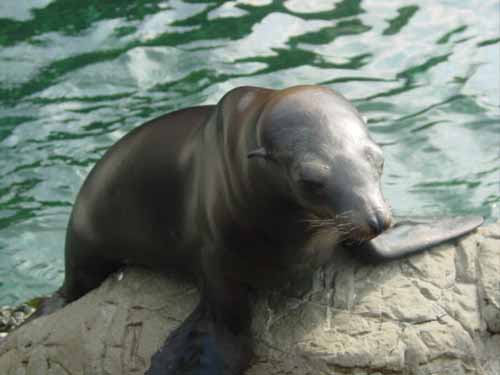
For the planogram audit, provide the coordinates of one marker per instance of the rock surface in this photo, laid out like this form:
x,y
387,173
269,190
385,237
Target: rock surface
x,y
434,313
12,317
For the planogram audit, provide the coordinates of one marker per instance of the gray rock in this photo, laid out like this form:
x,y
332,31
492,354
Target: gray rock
x,y
12,317
434,313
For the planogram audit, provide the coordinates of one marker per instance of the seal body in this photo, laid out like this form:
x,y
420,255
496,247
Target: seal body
x,y
243,194
183,184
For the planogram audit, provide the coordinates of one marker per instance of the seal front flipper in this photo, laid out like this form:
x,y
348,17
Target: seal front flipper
x,y
213,340
409,235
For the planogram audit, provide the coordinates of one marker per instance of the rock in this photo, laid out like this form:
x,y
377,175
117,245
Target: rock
x,y
434,313
12,317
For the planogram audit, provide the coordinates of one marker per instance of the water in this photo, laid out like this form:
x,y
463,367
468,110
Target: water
x,y
76,75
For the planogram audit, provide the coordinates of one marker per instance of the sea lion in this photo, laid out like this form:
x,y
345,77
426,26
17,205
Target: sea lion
x,y
261,187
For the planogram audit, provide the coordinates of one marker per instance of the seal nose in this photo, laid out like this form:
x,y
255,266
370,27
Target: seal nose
x,y
378,223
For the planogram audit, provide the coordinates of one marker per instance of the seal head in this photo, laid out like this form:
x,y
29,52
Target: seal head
x,y
319,143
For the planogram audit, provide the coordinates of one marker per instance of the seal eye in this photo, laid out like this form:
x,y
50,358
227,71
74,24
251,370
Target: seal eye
x,y
259,153
375,157
311,186
379,163
312,178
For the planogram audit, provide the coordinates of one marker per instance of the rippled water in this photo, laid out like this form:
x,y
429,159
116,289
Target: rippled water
x,y
77,75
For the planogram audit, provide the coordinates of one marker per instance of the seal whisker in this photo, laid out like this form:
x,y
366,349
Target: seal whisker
x,y
337,225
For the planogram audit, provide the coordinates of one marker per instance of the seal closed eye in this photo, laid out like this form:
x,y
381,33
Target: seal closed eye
x,y
313,173
243,194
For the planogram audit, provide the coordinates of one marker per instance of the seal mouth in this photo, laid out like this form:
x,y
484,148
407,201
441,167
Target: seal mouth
x,y
342,226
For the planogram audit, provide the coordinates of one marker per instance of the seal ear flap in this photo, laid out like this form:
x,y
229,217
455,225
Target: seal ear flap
x,y
260,153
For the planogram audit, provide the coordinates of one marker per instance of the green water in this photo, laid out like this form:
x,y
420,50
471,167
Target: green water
x,y
77,75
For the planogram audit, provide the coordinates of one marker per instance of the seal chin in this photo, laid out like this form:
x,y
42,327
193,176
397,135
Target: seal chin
x,y
359,234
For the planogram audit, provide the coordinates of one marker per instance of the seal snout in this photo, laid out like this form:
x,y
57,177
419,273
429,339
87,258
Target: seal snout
x,y
370,224
379,222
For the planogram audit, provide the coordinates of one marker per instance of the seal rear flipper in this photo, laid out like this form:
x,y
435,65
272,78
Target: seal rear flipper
x,y
203,345
409,235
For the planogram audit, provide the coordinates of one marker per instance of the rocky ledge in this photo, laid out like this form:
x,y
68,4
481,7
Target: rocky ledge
x,y
434,313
